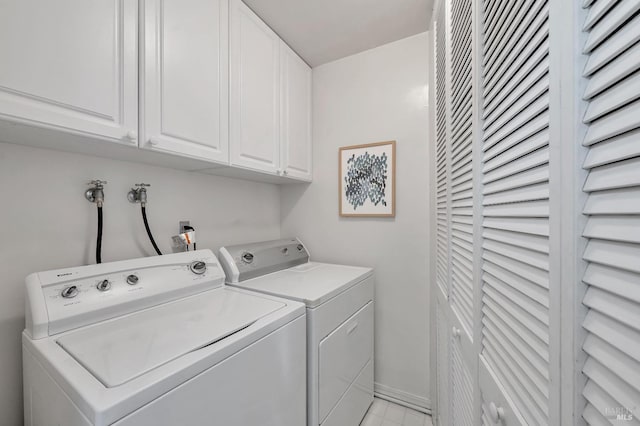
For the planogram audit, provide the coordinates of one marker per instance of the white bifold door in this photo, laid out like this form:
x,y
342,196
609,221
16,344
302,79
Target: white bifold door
x,y
612,277
516,356
456,363
507,310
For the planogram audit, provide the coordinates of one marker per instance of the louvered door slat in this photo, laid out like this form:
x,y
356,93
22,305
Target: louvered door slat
x,y
535,171
496,36
612,277
616,149
623,93
515,56
529,377
528,19
525,226
612,47
526,350
461,388
537,345
495,12
597,12
526,133
516,317
536,145
507,113
623,65
531,290
530,71
610,23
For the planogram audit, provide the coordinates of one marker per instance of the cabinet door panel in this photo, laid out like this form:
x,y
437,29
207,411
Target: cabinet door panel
x,y
254,91
295,115
186,79
73,65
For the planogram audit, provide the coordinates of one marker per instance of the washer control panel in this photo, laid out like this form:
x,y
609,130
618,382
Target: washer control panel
x,y
68,298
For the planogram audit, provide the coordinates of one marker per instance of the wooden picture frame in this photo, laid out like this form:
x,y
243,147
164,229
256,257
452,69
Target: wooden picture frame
x,y
367,180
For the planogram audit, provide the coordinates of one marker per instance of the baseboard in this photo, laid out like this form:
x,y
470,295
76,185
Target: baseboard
x,y
406,399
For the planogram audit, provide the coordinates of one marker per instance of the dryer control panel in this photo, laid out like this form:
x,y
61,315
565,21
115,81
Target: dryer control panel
x,y
65,299
246,261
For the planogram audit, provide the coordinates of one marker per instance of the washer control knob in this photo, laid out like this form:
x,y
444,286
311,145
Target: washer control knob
x,y
300,247
132,279
198,267
247,257
103,285
70,292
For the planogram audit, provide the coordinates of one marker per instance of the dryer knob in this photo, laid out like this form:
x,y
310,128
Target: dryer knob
x,y
247,257
132,279
198,267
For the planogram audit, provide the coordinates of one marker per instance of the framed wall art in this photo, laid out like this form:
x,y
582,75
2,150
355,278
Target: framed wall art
x,y
367,180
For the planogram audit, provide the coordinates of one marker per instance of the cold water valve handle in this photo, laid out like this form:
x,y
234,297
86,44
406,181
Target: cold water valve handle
x,y
138,194
95,194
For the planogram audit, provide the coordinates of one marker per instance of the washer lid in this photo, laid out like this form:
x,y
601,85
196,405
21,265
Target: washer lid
x,y
312,283
120,350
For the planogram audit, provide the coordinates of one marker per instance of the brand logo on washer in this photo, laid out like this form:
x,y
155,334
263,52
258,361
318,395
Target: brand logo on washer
x,y
65,274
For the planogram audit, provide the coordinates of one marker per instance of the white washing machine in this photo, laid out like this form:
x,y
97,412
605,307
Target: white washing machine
x,y
160,341
339,302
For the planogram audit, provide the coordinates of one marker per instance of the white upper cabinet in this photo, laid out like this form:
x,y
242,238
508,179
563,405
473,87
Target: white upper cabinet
x,y
270,99
254,91
295,107
186,78
71,65
216,86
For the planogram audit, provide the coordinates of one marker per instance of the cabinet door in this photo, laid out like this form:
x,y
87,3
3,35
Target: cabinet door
x,y
295,141
186,78
254,91
73,66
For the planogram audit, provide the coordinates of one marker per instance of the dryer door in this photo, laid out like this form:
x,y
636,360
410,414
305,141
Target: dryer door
x,y
343,354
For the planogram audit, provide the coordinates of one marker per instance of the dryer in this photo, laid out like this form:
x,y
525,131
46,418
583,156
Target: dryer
x,y
339,301
160,341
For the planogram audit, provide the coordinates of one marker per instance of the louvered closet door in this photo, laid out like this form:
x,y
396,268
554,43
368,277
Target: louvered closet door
x,y
515,349
612,276
443,325
462,362
442,161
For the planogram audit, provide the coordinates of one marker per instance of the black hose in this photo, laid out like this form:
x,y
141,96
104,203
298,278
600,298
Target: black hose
x,y
99,239
146,225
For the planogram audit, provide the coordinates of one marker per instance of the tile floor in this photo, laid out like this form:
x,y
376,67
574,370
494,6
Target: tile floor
x,y
384,413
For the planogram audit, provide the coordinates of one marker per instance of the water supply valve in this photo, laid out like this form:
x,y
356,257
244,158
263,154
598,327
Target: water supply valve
x,y
138,194
95,194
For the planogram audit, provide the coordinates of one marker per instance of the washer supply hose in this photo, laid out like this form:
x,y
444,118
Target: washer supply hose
x,y
99,238
146,225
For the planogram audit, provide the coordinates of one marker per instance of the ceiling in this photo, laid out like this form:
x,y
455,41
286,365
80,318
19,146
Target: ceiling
x,y
325,30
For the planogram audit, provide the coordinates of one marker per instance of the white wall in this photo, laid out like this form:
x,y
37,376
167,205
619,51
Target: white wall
x,y
46,223
376,96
